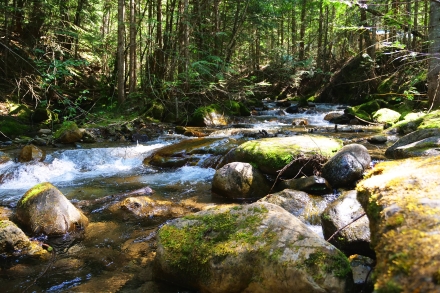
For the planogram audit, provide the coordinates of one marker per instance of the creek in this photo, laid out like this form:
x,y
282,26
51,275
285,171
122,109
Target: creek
x,y
115,255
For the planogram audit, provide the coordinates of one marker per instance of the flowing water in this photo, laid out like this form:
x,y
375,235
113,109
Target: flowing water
x,y
116,255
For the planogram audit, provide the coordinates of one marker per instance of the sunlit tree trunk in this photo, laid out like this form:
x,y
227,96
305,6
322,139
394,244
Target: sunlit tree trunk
x,y
434,56
121,49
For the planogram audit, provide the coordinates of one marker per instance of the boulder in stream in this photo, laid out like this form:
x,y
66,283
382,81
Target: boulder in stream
x,y
190,152
402,201
31,153
68,133
257,248
272,154
347,166
354,238
240,181
308,208
423,142
44,209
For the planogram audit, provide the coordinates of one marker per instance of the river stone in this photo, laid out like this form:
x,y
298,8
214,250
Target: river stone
x,y
272,154
69,133
13,242
347,166
44,209
308,208
256,248
31,153
332,115
377,139
240,181
362,267
423,142
386,115
402,201
311,184
143,207
4,158
189,151
355,238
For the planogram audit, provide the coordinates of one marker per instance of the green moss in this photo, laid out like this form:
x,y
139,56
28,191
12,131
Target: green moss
x,y
3,224
67,125
390,287
12,127
337,264
207,237
37,189
395,220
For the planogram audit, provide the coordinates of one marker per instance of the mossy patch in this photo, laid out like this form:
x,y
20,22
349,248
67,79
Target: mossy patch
x,y
318,262
37,189
12,127
208,237
66,126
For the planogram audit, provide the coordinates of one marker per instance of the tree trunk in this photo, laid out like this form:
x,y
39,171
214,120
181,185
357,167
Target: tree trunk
x,y
132,68
434,55
121,49
302,30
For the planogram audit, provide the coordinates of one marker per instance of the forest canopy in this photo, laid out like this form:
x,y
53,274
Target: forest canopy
x,y
74,57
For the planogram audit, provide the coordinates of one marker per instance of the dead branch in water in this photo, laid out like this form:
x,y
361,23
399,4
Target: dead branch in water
x,y
340,229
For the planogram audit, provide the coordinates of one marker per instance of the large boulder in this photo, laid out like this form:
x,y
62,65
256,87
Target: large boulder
x,y
31,153
272,154
423,142
386,115
402,201
14,243
240,181
354,238
190,152
308,208
347,166
258,247
44,209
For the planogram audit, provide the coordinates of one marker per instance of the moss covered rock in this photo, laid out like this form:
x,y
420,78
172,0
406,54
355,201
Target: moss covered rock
x,y
386,115
402,201
258,247
272,154
15,243
44,209
68,133
417,121
366,110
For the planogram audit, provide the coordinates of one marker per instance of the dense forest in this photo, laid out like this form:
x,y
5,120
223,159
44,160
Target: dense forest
x,y
71,60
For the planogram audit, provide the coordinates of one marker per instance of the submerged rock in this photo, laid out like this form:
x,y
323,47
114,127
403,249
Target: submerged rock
x,y
189,152
143,207
240,181
402,201
307,208
31,153
272,154
258,247
347,166
44,209
354,238
423,142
